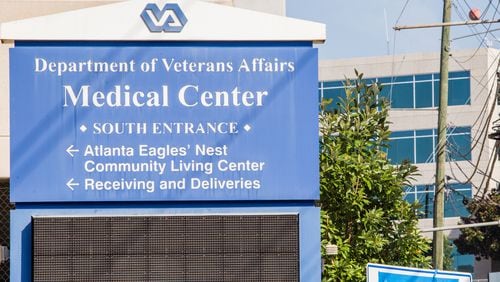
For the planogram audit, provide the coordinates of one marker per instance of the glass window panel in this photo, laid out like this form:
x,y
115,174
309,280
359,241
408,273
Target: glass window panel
x,y
463,263
453,203
424,132
458,130
425,188
406,133
385,80
460,147
461,186
402,95
425,150
423,94
426,200
338,83
459,92
384,94
420,77
409,189
404,78
409,197
436,93
455,74
335,95
400,150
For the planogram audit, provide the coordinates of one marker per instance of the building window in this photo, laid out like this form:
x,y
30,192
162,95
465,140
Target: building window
x,y
462,263
455,194
459,144
409,92
332,90
418,146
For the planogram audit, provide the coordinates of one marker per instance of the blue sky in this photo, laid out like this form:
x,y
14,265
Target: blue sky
x,y
356,28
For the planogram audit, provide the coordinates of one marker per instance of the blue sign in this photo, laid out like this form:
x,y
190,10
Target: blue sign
x,y
388,273
387,277
163,123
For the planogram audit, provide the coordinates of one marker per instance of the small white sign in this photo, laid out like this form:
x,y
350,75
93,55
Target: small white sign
x,y
4,254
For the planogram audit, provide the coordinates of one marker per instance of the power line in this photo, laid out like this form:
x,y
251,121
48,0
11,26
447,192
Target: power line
x,y
482,132
452,171
402,11
474,34
481,116
484,13
484,37
483,88
394,49
463,16
465,158
476,142
489,177
451,196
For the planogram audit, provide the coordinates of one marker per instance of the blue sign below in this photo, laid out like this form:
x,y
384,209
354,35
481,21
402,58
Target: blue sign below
x,y
163,123
389,273
388,277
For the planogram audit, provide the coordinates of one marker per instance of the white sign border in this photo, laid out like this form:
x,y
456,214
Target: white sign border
x,y
373,269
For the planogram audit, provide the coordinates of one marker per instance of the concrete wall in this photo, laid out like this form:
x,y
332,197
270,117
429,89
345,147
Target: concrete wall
x,y
21,9
4,111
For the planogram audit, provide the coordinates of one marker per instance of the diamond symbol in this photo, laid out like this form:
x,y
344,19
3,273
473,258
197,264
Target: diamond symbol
x,y
83,128
247,127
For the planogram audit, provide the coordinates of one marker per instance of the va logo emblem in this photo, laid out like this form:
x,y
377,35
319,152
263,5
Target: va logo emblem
x,y
169,19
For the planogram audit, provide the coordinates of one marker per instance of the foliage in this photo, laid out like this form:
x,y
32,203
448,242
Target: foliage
x,y
481,241
363,210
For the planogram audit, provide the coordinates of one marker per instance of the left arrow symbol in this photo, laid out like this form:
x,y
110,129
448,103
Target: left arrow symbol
x,y
70,184
70,150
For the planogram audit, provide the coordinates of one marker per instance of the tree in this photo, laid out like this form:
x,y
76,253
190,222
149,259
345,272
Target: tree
x,y
481,241
363,210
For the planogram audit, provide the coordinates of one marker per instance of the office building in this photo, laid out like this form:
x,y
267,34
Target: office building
x,y
411,85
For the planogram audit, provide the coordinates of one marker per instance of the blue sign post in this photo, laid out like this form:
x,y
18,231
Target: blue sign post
x,y
163,123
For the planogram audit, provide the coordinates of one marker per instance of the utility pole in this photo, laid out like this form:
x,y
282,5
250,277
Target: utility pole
x,y
438,240
438,218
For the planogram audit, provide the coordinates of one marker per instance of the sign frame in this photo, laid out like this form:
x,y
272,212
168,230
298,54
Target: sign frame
x,y
281,130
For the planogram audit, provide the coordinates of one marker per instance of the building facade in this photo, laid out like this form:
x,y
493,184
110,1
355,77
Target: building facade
x,y
411,85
